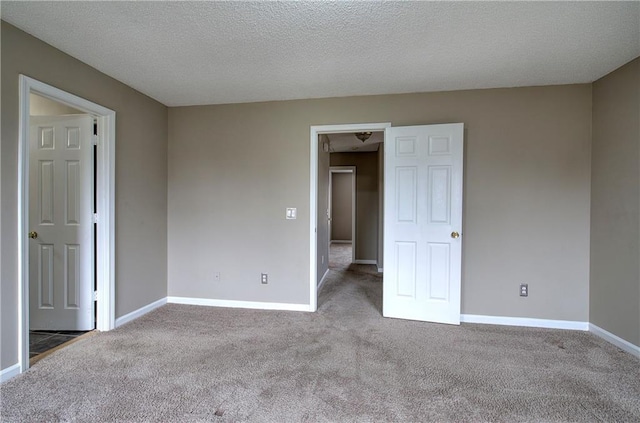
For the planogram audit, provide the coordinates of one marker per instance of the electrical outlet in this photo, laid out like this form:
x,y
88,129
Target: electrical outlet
x,y
264,278
216,276
524,290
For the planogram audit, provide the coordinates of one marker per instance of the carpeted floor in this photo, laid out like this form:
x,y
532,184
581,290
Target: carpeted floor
x,y
344,363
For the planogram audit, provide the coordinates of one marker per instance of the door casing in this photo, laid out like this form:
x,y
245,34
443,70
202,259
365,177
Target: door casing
x,y
315,131
105,196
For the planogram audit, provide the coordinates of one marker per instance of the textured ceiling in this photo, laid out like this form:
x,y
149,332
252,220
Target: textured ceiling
x,y
186,53
348,143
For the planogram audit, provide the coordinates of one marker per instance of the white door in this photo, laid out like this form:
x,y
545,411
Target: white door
x,y
330,209
423,222
61,264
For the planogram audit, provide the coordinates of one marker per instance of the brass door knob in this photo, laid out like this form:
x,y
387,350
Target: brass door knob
x,y
455,235
33,234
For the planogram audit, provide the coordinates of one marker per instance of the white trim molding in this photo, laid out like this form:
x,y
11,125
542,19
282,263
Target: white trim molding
x,y
615,340
314,132
105,196
140,312
525,322
323,279
255,305
380,270
9,372
366,262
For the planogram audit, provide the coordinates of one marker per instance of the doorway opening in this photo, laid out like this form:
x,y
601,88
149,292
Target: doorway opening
x,y
422,189
342,209
320,163
62,258
82,265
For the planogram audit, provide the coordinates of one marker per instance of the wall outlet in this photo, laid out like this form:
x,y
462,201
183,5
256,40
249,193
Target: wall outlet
x,y
524,290
216,276
264,278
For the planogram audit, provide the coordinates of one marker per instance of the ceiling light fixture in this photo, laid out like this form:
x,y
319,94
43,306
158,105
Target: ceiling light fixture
x,y
362,136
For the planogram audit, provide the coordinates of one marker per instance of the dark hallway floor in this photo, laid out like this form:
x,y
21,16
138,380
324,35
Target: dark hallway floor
x,y
41,341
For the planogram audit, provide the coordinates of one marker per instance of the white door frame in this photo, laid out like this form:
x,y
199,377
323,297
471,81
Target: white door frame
x,y
315,131
352,171
105,195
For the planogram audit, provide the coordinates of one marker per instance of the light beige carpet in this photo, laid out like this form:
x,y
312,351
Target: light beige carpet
x,y
344,363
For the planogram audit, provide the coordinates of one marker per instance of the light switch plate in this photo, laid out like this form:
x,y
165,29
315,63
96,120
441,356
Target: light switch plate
x,y
292,213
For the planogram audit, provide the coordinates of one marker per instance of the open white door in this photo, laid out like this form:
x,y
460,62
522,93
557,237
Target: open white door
x,y
61,264
423,222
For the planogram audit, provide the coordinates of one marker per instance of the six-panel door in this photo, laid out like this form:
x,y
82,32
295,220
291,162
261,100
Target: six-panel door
x,y
423,221
60,223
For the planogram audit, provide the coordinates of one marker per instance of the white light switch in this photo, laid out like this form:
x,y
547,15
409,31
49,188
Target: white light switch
x,y
292,213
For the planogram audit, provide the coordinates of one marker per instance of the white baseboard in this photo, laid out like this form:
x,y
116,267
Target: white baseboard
x,y
339,241
615,340
140,312
525,322
257,305
365,262
9,372
322,280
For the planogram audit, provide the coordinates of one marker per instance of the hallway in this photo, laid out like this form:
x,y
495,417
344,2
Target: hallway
x,y
350,282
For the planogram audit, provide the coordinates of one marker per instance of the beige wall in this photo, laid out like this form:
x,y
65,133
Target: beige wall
x,y
366,201
322,247
615,193
141,176
341,206
42,106
233,169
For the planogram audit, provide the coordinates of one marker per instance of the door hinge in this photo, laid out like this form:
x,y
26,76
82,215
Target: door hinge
x,y
95,295
94,139
95,218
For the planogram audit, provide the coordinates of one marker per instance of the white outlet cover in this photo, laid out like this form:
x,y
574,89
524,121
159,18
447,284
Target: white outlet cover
x,y
292,213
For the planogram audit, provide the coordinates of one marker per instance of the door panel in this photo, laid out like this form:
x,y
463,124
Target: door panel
x,y
72,275
406,269
45,276
439,194
72,193
423,207
45,189
438,263
61,257
406,194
